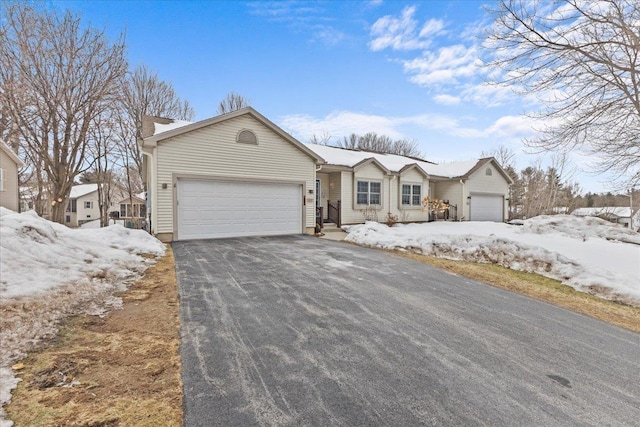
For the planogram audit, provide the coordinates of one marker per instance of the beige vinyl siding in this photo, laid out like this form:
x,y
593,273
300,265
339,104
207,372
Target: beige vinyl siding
x,y
212,151
453,192
324,191
480,182
335,186
349,215
353,213
9,196
409,213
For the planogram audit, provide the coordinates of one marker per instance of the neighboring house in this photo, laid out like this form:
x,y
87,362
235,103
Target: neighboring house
x,y
132,210
237,174
618,215
83,205
31,199
358,185
9,165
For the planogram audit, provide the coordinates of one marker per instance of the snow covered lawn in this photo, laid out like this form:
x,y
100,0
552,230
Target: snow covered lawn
x,y
588,254
49,271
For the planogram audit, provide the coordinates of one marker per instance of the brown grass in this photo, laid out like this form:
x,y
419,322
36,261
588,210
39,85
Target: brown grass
x,y
539,287
121,370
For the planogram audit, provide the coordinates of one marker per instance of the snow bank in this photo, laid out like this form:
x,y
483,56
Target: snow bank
x,y
49,271
588,254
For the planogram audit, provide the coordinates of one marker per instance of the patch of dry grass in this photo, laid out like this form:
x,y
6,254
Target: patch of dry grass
x,y
539,287
121,370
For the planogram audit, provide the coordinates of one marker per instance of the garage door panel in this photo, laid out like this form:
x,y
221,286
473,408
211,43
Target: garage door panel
x,y
214,209
487,207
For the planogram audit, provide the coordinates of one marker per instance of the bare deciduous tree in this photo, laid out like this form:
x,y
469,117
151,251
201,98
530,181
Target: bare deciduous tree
x,y
503,154
144,94
380,144
232,102
323,139
582,60
539,191
102,149
57,76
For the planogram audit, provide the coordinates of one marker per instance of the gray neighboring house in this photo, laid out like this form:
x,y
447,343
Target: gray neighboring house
x,y
9,190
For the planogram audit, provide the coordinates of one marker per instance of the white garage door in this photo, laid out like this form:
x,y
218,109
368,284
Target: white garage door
x,y
487,207
214,209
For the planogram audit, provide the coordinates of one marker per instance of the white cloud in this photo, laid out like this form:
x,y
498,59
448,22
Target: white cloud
x,y
453,63
339,124
400,33
448,65
487,95
431,27
310,19
327,35
343,123
445,99
512,127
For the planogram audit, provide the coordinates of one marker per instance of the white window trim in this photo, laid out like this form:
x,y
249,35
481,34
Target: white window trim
x,y
132,210
369,181
2,179
90,203
411,205
126,210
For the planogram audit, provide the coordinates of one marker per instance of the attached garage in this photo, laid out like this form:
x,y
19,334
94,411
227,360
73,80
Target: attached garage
x,y
233,175
217,209
487,207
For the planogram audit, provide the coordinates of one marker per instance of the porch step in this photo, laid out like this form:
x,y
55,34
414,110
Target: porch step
x,y
330,227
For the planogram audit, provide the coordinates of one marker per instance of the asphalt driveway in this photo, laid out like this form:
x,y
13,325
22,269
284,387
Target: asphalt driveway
x,y
302,331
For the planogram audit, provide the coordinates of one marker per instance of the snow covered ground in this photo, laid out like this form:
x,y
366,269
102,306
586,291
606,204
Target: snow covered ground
x,y
49,271
588,254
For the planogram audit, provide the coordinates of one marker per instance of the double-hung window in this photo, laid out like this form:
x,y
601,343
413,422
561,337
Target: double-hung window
x,y
411,195
369,193
88,205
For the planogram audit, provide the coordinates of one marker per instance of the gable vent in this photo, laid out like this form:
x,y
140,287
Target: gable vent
x,y
247,137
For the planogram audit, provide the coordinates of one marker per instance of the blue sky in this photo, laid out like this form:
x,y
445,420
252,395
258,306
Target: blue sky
x,y
404,69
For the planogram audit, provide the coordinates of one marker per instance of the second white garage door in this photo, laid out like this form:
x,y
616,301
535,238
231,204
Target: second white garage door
x,y
487,207
215,209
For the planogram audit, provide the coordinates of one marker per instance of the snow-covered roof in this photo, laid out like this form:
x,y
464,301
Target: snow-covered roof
x,y
82,190
393,162
620,212
175,124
